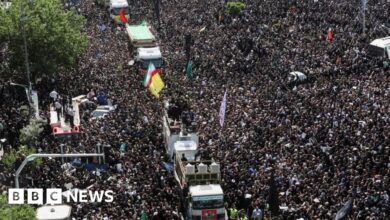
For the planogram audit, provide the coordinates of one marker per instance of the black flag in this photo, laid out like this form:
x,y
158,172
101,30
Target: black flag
x,y
273,197
187,46
157,10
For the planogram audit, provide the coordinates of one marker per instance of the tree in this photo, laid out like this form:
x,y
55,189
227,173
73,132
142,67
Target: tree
x,y
235,7
54,36
31,132
10,158
20,212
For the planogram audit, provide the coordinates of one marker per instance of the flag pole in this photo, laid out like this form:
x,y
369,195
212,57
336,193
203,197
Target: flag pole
x,y
364,6
221,134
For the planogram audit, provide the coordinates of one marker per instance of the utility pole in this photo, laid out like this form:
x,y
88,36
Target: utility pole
x,y
364,6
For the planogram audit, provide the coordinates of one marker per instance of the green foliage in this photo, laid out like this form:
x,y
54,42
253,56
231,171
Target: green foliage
x,y
54,37
15,212
10,158
31,132
235,7
24,111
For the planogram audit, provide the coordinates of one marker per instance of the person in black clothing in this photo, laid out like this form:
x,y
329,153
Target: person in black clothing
x,y
183,157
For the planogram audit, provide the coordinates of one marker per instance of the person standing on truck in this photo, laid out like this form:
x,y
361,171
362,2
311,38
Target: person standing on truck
x,y
58,108
71,113
54,95
183,158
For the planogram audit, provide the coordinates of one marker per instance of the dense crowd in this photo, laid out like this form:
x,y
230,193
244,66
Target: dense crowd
x,y
325,141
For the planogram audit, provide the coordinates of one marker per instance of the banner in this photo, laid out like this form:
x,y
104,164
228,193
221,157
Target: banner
x,y
222,110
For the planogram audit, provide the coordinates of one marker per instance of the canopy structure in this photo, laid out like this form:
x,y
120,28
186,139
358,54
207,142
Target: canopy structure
x,y
140,36
381,42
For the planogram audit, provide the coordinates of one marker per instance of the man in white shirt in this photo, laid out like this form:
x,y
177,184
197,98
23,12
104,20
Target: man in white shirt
x,y
71,116
257,214
54,95
58,108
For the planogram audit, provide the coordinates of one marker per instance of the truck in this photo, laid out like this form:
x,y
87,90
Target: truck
x,y
200,178
61,128
116,6
380,48
144,46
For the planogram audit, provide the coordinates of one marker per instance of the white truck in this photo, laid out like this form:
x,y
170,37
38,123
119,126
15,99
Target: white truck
x,y
116,6
380,47
144,45
201,178
62,128
146,55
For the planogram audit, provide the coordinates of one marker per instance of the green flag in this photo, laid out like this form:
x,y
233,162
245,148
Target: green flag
x,y
143,215
143,22
189,69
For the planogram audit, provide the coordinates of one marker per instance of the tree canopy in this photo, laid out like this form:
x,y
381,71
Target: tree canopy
x,y
22,212
54,36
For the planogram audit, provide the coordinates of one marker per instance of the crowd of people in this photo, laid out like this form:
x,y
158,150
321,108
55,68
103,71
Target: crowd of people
x,y
325,141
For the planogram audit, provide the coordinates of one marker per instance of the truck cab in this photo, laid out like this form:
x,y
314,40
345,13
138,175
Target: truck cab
x,y
145,56
207,202
115,8
380,48
202,178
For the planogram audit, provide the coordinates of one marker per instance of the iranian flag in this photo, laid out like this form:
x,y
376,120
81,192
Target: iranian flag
x,y
148,75
122,16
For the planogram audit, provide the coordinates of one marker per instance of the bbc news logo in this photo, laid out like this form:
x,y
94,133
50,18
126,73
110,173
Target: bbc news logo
x,y
55,196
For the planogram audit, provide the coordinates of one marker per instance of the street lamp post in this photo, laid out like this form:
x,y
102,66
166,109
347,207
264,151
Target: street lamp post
x,y
32,98
27,91
26,62
32,157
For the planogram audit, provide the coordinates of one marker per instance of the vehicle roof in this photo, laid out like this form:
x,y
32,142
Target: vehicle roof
x,y
189,145
53,212
119,3
206,190
381,42
105,108
139,32
149,53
